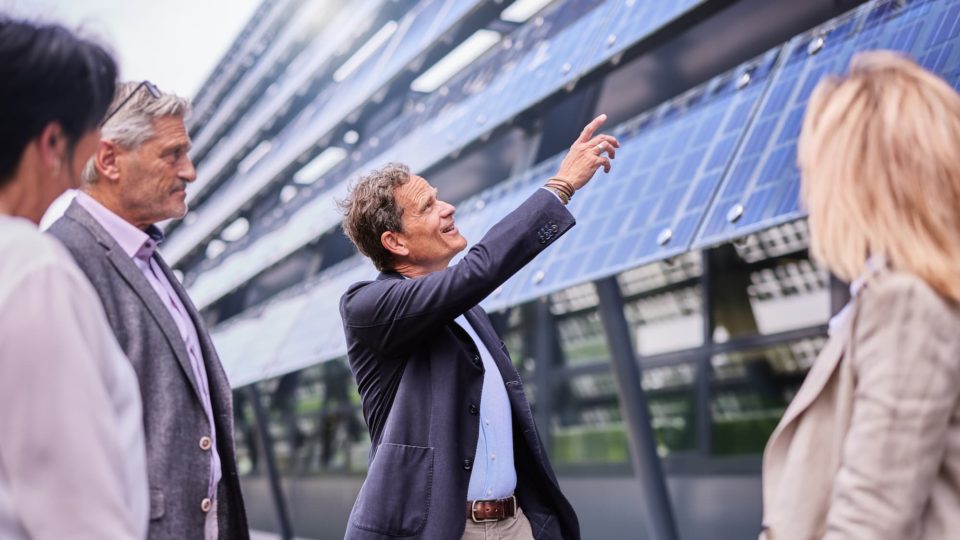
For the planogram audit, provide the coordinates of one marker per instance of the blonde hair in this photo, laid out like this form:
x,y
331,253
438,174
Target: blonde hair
x,y
879,154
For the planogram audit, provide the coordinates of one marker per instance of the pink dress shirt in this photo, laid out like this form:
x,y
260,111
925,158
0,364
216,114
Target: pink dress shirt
x,y
141,247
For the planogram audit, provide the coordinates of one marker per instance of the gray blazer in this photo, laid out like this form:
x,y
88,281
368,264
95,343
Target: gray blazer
x,y
173,417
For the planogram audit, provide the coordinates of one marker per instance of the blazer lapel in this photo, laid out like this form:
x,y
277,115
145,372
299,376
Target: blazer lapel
x,y
215,374
820,373
139,284
481,325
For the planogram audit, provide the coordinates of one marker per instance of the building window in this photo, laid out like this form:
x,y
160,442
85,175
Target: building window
x,y
315,420
586,427
670,396
752,388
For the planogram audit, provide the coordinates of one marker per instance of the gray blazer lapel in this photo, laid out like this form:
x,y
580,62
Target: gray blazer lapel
x,y
215,374
139,284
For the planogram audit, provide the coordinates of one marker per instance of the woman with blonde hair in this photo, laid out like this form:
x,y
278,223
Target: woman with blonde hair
x,y
870,445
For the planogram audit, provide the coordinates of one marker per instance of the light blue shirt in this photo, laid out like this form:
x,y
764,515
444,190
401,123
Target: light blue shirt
x,y
493,475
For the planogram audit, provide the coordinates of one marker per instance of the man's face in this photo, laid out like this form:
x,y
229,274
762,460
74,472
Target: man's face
x,y
429,232
154,177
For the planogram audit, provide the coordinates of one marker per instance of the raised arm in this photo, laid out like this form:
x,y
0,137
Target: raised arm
x,y
392,313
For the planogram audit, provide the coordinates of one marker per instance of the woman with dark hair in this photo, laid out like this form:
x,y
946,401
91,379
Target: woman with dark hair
x,y
72,458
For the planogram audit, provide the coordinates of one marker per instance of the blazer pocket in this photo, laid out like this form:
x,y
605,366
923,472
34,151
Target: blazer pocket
x,y
157,504
395,497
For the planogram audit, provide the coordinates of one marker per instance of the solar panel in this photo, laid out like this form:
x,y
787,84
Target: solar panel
x,y
552,60
762,188
292,332
317,333
248,347
713,164
496,90
628,22
669,165
327,110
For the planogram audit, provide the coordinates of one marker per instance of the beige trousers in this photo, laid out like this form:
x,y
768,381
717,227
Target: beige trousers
x,y
515,528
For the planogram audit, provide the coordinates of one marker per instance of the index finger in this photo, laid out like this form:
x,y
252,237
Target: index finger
x,y
588,131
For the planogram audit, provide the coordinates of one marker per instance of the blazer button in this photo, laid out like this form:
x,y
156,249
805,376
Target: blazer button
x,y
474,409
205,443
477,360
555,227
467,464
206,504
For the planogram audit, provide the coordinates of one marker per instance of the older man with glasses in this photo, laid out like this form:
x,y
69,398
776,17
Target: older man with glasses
x,y
137,178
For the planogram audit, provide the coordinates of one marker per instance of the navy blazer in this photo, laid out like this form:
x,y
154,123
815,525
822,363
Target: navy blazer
x,y
420,378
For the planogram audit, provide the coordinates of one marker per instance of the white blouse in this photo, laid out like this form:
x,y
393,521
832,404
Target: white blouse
x,y
72,456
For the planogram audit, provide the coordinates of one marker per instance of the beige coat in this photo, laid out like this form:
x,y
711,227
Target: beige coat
x,y
869,448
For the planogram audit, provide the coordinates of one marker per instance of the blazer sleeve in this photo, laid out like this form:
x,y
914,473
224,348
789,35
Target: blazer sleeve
x,y
906,361
395,313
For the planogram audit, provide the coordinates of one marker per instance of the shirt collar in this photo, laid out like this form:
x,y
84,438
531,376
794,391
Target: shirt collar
x,y
874,266
133,241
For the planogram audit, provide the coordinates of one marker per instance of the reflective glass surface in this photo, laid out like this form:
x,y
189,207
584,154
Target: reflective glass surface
x,y
751,389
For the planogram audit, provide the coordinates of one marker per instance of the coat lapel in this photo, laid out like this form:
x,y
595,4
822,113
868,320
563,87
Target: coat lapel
x,y
481,325
139,284
215,374
820,373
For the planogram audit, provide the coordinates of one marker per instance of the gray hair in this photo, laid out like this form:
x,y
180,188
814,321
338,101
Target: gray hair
x,y
132,125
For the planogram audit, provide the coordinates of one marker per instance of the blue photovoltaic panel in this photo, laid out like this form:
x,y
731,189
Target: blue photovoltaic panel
x,y
631,21
476,215
292,332
485,96
317,333
648,208
764,180
539,58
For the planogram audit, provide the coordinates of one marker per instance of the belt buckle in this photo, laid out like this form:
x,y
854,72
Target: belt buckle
x,y
473,512
473,515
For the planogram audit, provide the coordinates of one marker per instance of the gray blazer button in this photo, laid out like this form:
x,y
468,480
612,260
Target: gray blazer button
x,y
474,409
555,227
205,443
467,464
206,504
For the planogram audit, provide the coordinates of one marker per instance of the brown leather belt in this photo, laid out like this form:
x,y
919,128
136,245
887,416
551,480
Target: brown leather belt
x,y
492,510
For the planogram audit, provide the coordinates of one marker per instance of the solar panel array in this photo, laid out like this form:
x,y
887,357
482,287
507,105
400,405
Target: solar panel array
x,y
711,165
420,28
537,63
762,188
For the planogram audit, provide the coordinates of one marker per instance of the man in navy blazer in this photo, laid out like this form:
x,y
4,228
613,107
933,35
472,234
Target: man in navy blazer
x,y
455,453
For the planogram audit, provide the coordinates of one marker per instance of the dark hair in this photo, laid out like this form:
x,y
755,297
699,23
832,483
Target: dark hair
x,y
48,75
371,210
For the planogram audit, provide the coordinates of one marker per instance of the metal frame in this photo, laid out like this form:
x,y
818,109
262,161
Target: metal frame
x,y
280,503
636,413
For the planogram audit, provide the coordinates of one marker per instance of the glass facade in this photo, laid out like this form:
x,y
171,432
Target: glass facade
x,y
314,422
718,357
